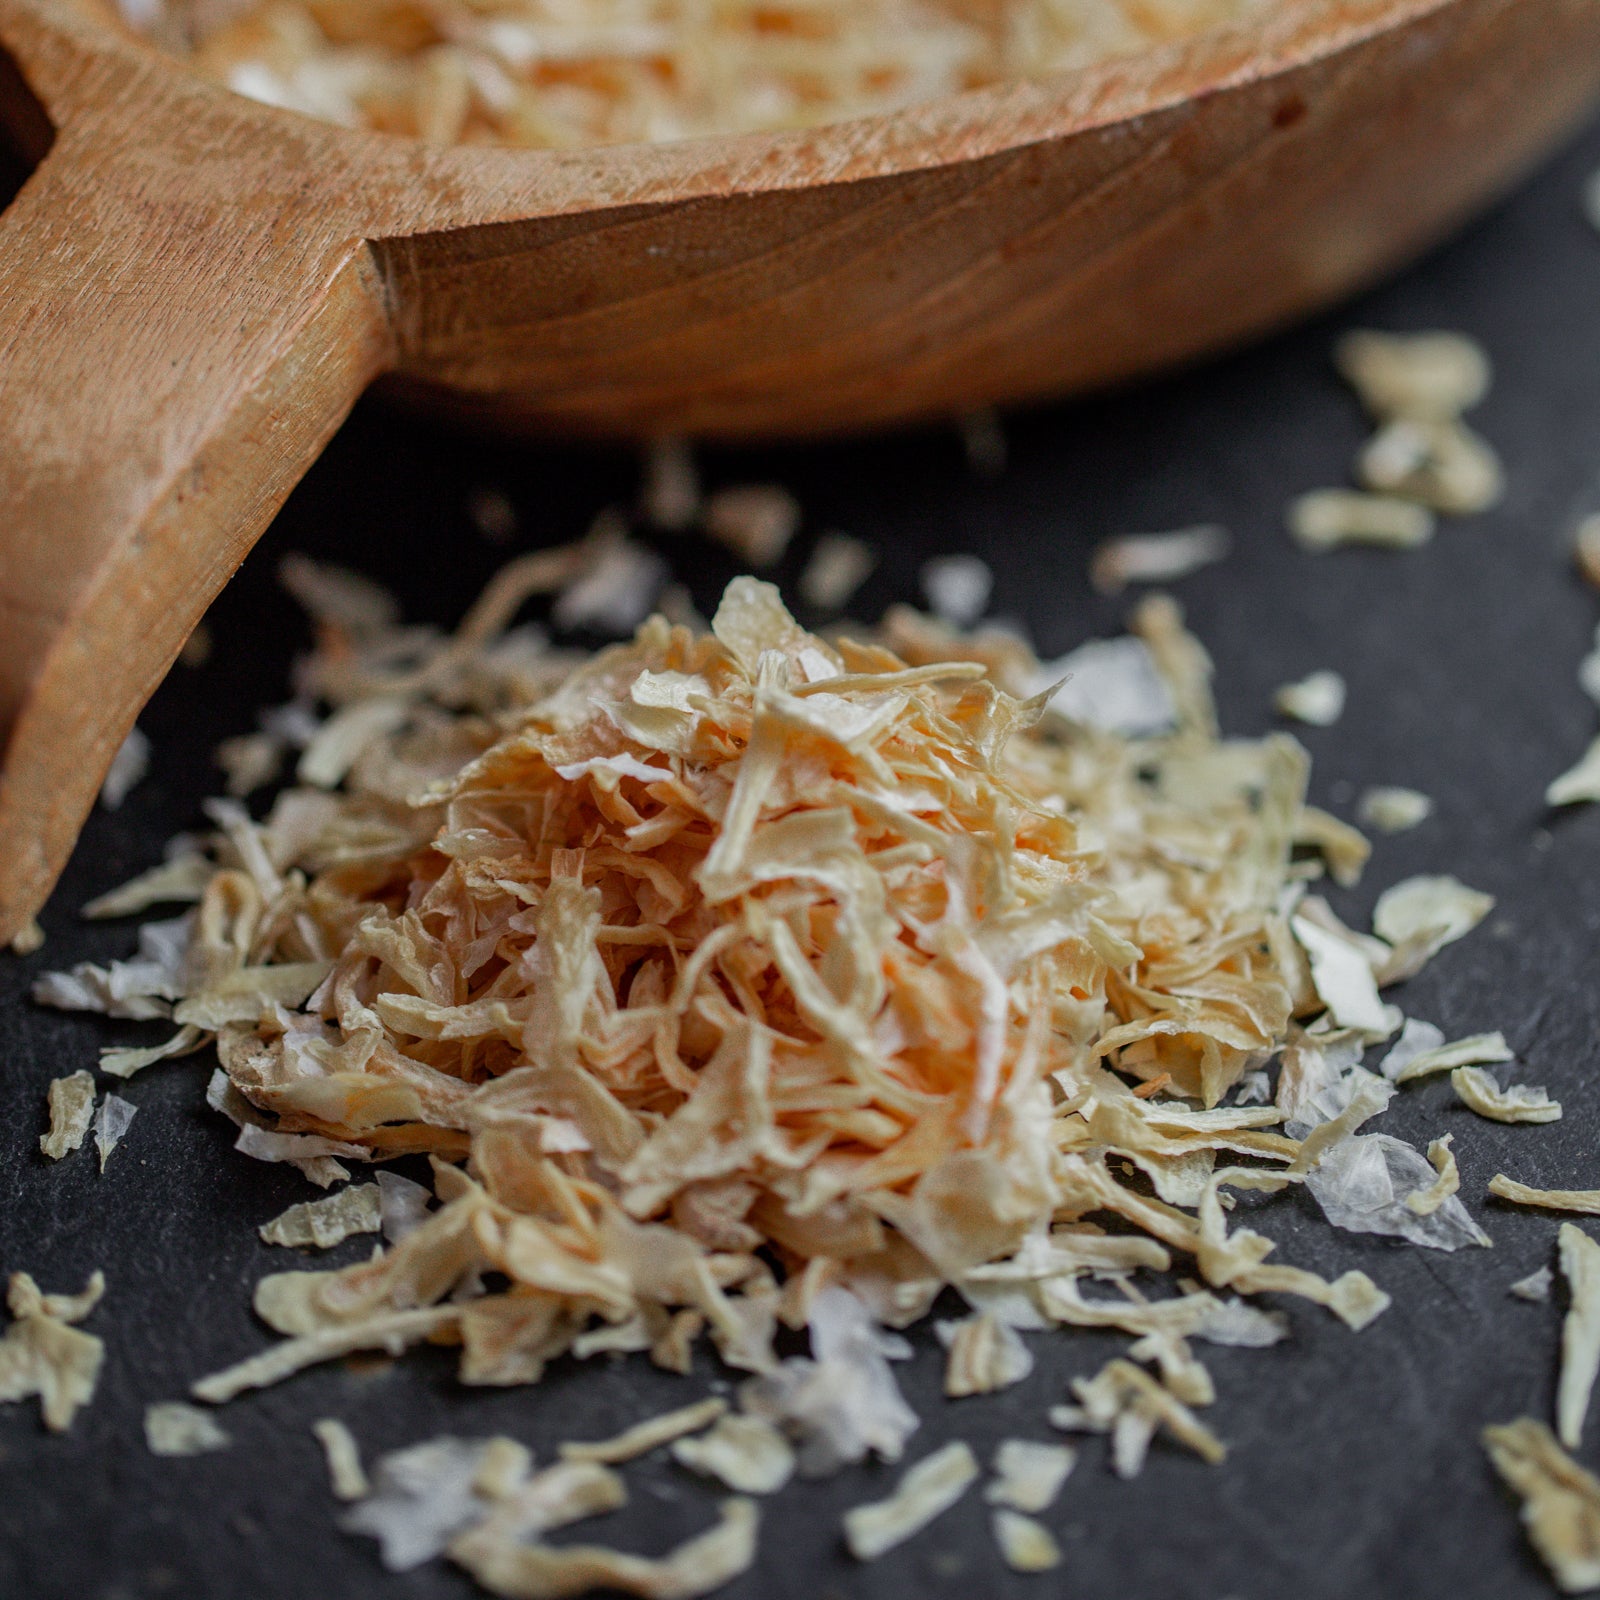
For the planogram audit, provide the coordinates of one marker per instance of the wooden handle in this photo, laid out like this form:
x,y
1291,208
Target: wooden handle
x,y
181,332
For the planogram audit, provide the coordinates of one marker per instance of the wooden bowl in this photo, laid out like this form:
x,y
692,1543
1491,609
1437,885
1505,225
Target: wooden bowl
x,y
195,288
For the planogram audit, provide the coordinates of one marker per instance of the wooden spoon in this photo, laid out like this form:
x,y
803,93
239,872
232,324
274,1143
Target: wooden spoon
x,y
195,288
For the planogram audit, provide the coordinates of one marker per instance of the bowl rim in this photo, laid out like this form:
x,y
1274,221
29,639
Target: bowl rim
x,y
474,185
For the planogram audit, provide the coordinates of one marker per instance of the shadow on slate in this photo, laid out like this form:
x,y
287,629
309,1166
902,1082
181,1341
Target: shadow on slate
x,y
1354,1466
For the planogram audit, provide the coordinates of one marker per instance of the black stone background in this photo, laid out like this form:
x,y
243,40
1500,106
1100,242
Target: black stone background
x,y
1354,1464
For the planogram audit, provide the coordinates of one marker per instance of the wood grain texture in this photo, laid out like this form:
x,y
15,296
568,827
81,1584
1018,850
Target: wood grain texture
x,y
194,288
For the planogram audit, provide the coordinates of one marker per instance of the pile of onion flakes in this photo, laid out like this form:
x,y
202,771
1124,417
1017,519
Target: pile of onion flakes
x,y
744,979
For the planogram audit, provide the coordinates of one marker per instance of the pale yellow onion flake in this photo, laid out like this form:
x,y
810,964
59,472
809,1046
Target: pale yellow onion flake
x,y
321,1224
71,1111
1431,375
1479,1049
172,1428
346,1476
341,740
1025,1545
925,1491
122,1062
1325,519
1345,849
1580,1332
1439,909
1028,1474
249,761
1586,1201
1424,1202
647,1435
128,768
1121,1394
746,1454
1560,1501
392,1331
43,1354
1535,1287
519,1571
540,1502
1478,1090
984,1355
503,1469
1579,783
1439,463
957,587
1317,699
1391,808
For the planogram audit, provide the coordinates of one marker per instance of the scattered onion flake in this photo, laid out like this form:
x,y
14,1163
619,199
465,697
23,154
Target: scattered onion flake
x,y
1438,463
957,587
1579,784
346,1476
43,1354
127,770
421,1498
1430,911
111,1122
1124,1401
1393,809
1424,1202
647,1435
1479,1090
1317,700
1156,557
1025,1545
1325,519
1580,1332
392,1331
925,1491
172,1428
985,1355
71,1101
321,1224
1028,1474
1560,1501
1535,1287
836,568
754,521
521,1571
1479,1049
1433,376
1521,1194
746,1454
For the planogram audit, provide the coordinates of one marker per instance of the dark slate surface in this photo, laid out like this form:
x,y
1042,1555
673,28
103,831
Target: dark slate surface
x,y
1354,1465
